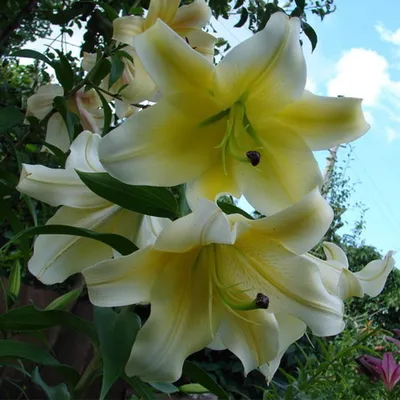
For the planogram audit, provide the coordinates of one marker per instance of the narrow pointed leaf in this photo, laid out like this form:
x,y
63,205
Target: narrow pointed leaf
x,y
120,243
27,53
31,352
117,69
311,34
156,201
228,208
198,375
29,318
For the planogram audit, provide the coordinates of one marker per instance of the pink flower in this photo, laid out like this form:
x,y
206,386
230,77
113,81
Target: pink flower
x,y
386,369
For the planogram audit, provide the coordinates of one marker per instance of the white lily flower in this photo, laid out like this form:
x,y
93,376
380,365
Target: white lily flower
x,y
208,272
84,104
57,257
245,126
339,280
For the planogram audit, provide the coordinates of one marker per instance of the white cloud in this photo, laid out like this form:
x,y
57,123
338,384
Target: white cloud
x,y
388,35
392,134
369,117
311,85
360,73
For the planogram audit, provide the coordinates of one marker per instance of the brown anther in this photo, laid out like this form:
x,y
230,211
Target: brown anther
x,y
254,157
262,301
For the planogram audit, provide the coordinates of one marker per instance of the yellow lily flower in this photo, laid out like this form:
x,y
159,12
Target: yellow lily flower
x,y
208,272
84,104
55,259
187,21
245,126
339,280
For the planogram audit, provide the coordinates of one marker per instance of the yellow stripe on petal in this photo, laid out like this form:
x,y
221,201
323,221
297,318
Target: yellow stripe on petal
x,y
180,304
173,65
324,122
164,145
162,9
298,227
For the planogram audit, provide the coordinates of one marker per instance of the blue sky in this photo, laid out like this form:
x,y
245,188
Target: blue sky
x,y
358,54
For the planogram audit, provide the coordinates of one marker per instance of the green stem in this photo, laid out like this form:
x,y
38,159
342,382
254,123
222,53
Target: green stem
x,y
87,378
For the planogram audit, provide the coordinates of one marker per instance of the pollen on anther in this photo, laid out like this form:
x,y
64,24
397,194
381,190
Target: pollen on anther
x,y
262,301
254,157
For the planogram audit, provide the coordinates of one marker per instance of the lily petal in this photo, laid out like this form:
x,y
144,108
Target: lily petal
x,y
202,42
291,329
57,257
286,173
267,71
165,144
191,16
300,226
292,283
126,28
325,122
373,276
124,280
212,184
57,132
208,224
41,103
349,286
57,187
254,341
173,65
85,153
184,312
335,253
162,9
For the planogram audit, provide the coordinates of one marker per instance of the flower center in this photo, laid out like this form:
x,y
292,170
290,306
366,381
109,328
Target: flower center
x,y
238,126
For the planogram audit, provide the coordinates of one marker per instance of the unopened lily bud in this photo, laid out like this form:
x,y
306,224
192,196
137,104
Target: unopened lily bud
x,y
14,281
60,303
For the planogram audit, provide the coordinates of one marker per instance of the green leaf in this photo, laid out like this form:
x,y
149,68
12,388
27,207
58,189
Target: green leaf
x,y
228,208
164,387
58,153
136,11
31,352
238,4
14,281
64,72
244,14
10,117
156,201
301,4
29,318
124,54
71,119
111,13
143,390
311,34
8,213
106,110
117,333
117,69
99,72
27,53
198,375
117,242
59,392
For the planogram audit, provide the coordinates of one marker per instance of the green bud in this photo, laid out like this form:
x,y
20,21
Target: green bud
x,y
14,280
193,388
60,303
